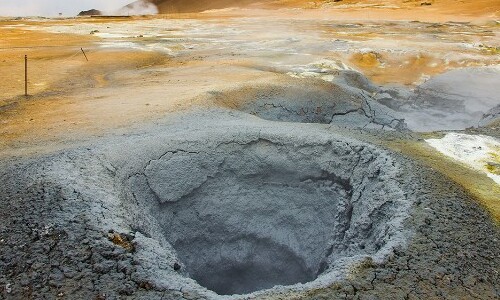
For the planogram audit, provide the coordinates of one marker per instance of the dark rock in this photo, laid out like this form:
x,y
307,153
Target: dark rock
x,y
91,12
127,289
177,267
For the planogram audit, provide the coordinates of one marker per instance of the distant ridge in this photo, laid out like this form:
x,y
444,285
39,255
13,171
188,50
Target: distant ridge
x,y
91,12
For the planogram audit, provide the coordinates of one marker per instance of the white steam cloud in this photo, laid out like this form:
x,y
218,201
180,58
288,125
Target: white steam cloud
x,y
139,8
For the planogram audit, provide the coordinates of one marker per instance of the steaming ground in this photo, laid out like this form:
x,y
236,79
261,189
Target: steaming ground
x,y
197,158
225,51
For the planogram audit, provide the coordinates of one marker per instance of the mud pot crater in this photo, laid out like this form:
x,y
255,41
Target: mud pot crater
x,y
247,215
313,101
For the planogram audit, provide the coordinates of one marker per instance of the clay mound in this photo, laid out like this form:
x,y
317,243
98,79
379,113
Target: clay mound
x,y
313,101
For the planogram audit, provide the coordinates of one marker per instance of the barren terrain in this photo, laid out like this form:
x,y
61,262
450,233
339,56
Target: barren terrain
x,y
285,150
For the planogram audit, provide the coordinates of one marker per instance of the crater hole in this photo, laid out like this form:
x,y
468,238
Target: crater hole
x,y
248,217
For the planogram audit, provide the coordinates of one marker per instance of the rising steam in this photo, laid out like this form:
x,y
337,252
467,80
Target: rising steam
x,y
138,8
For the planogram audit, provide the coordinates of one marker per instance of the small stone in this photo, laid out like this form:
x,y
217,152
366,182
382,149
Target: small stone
x,y
54,283
127,289
145,285
101,297
69,273
24,281
104,267
177,267
191,295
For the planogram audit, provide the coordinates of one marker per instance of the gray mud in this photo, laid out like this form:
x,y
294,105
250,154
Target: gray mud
x,y
491,116
455,100
315,101
186,205
273,194
251,214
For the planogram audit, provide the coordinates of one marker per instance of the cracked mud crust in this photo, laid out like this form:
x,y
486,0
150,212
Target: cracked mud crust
x,y
314,101
477,185
68,232
292,208
454,254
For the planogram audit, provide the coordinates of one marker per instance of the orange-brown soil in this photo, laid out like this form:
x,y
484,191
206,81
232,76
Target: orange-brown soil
x,y
72,99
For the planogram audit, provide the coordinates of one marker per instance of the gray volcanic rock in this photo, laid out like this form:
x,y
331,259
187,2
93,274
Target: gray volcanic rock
x,y
245,194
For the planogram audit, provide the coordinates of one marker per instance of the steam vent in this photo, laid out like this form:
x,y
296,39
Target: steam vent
x,y
255,150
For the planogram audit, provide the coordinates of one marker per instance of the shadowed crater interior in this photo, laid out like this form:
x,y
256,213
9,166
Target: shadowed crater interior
x,y
248,216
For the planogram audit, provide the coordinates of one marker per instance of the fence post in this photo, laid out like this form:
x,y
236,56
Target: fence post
x,y
26,75
84,54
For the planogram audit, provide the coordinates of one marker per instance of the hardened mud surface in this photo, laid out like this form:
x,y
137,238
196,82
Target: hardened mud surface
x,y
124,219
245,216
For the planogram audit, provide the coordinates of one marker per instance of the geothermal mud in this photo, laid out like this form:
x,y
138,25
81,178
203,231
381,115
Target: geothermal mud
x,y
274,189
316,102
251,215
220,202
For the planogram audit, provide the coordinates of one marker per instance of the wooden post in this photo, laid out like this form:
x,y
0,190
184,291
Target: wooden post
x,y
84,54
26,75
